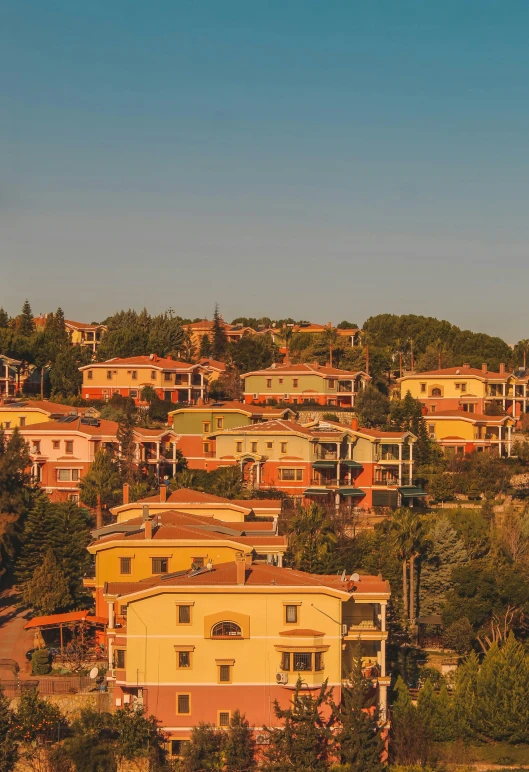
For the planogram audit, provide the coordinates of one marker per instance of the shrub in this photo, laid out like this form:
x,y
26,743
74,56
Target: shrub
x,y
41,662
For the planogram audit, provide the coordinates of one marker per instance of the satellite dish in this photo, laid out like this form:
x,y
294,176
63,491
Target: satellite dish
x,y
355,577
94,673
343,576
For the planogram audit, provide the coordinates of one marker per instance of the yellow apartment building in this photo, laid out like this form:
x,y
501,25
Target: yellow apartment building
x,y
463,432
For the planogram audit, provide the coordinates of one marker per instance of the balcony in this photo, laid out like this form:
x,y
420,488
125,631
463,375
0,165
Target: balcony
x,y
322,454
345,387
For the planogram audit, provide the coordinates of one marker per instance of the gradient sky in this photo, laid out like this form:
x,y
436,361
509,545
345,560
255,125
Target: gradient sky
x,y
321,159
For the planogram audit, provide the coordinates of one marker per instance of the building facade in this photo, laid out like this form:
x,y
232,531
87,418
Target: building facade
x,y
463,432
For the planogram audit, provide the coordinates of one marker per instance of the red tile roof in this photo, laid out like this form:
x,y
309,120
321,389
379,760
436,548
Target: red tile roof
x,y
461,371
105,428
302,632
158,363
46,405
464,414
310,369
255,410
57,619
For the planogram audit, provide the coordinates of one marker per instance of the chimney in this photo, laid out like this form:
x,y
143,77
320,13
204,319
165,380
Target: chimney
x,y
315,364
502,369
126,493
240,565
354,423
169,356
200,401
148,529
145,513
466,365
163,492
484,367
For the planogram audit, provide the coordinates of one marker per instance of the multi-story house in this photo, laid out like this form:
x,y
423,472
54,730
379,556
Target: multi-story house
x,y
468,389
323,461
151,544
171,379
197,645
463,432
304,383
195,423
34,411
13,374
234,332
80,333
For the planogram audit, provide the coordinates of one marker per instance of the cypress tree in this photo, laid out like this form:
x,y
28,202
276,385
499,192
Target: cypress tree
x,y
205,346
358,739
409,741
4,319
219,344
239,745
446,552
101,486
8,746
464,699
26,323
127,461
436,712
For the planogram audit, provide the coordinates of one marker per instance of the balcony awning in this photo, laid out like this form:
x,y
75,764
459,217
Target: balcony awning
x,y
411,491
324,464
351,492
350,463
317,491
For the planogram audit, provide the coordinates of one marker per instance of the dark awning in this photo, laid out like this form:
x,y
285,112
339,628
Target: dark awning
x,y
411,491
324,464
351,492
317,491
350,463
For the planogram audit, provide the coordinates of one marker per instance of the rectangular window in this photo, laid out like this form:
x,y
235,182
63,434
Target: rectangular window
x,y
224,718
225,674
133,393
206,427
197,562
291,614
254,447
294,383
220,423
280,380
36,445
284,446
123,611
75,475
184,615
457,385
423,387
167,376
183,704
64,475
120,658
302,661
463,387
431,428
153,375
290,474
285,660
22,421
178,747
205,447
90,375
318,663
238,446
125,565
332,383
433,408
56,444
160,565
268,383
69,446
269,445
184,659
134,375
109,375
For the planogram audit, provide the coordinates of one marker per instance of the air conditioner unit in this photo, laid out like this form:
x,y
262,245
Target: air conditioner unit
x,y
282,678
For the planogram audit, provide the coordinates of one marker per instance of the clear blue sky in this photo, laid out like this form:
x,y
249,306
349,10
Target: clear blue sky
x,y
323,159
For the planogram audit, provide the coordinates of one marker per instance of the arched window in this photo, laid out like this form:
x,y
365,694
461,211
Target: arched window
x,y
436,392
225,630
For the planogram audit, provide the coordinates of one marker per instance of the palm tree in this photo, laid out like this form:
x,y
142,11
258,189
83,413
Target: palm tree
x,y
522,347
408,535
311,538
101,486
331,339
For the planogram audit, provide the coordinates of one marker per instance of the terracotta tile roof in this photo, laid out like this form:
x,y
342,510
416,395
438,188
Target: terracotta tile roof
x,y
302,632
104,429
84,325
465,415
213,363
311,369
255,410
258,503
69,617
379,434
277,426
46,405
152,432
460,371
159,363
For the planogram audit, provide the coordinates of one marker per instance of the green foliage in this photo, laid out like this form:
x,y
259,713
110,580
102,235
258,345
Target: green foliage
x,y
203,752
473,527
239,745
219,342
409,740
459,636
65,378
47,591
253,352
445,551
36,717
40,662
205,347
137,735
25,322
103,479
303,742
436,712
372,407
8,745
132,334
330,417
312,539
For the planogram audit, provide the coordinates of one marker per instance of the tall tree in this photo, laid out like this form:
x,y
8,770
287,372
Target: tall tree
x,y
408,535
8,745
65,378
409,740
25,322
312,539
127,455
372,407
445,552
219,343
239,745
47,591
205,346
4,319
203,752
101,486
16,496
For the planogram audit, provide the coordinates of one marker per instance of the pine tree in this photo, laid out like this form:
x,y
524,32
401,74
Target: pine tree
x,y
436,712
203,752
303,742
465,695
65,377
16,496
239,745
26,323
358,739
8,745
35,538
4,319
127,460
446,551
409,741
219,344
69,538
47,591
101,486
205,347
422,448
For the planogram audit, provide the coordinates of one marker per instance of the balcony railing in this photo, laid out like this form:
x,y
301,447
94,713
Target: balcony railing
x,y
357,625
326,455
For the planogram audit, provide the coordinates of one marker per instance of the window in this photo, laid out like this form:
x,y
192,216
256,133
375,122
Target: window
x,y
423,387
285,660
134,375
205,447
432,408
302,661
125,565
178,747
206,427
284,447
120,658
332,383
318,661
226,630
69,446
268,383
8,424
109,375
220,423
75,475
224,718
291,614
269,445
133,393
436,393
153,375
197,563
36,445
431,430
167,376
280,380
184,659
254,447
460,449
238,446
22,421
90,375
463,387
56,444
67,475
290,474
225,674
160,565
184,615
183,704
294,383
123,611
